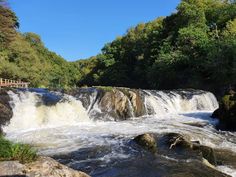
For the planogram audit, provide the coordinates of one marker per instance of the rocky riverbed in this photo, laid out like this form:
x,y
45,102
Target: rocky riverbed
x,y
122,132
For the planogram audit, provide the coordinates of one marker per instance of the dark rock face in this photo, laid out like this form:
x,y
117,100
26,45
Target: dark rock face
x,y
147,141
226,113
5,109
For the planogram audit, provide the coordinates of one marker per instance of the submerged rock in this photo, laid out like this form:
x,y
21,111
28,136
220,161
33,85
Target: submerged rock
x,y
206,152
5,108
147,141
226,113
175,140
44,166
225,157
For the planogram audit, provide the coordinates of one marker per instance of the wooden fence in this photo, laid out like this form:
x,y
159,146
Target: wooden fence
x,y
13,83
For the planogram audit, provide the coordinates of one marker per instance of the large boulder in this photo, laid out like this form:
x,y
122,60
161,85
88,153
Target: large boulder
x,y
182,143
226,113
116,103
147,141
5,108
111,103
44,166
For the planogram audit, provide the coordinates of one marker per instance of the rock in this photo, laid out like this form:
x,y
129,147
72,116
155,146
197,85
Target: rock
x,y
5,109
196,124
207,163
116,103
137,103
207,153
11,168
147,141
176,140
226,113
225,157
111,103
44,166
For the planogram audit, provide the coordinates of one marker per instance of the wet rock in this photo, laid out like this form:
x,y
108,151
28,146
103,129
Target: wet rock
x,y
44,166
116,103
197,124
177,140
5,108
137,103
207,163
111,102
226,113
147,141
183,143
206,152
225,157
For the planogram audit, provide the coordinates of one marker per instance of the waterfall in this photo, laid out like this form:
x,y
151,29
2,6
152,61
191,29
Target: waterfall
x,y
34,110
31,112
160,102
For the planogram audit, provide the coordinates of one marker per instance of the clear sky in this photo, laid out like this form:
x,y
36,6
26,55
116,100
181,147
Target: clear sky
x,y
77,29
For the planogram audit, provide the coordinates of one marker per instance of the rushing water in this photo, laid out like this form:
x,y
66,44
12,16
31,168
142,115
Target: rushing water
x,y
60,126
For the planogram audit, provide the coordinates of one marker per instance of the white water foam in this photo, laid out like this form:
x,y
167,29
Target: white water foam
x,y
227,170
175,102
29,114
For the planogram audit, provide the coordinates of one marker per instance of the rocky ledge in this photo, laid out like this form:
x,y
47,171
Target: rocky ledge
x,y
226,113
116,103
44,166
5,109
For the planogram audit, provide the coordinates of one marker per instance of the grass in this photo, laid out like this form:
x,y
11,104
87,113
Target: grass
x,y
105,88
23,153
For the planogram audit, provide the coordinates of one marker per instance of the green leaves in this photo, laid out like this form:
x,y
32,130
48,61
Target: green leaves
x,y
21,152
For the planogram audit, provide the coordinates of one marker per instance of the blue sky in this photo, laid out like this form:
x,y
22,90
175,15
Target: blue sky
x,y
77,29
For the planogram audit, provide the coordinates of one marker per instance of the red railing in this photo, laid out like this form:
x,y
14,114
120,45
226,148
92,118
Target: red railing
x,y
13,83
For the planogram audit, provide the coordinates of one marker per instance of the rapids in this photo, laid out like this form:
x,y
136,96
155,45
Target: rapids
x,y
58,125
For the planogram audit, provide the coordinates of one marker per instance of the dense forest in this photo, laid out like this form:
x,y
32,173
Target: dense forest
x,y
195,47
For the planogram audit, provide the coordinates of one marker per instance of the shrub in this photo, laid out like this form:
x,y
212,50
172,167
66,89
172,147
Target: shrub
x,y
24,153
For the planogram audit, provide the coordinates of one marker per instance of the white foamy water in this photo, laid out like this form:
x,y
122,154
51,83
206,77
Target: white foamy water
x,y
177,102
65,127
30,113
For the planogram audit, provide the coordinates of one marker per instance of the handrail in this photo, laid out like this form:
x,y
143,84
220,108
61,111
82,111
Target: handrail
x,y
13,83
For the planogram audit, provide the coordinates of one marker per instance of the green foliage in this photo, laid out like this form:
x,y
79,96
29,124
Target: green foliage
x,y
193,47
228,102
20,152
105,88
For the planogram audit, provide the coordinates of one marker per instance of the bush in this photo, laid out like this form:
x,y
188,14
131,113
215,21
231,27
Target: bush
x,y
16,151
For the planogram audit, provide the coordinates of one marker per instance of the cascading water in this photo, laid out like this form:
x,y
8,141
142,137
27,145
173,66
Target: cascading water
x,y
180,101
30,112
66,130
